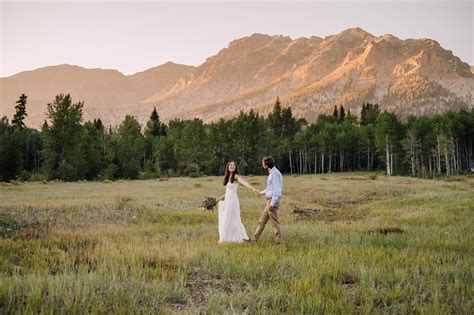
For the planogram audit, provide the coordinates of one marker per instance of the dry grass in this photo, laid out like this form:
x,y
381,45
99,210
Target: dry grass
x,y
375,245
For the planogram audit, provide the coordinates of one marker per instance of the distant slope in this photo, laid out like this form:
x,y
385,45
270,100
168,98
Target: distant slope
x,y
312,75
107,93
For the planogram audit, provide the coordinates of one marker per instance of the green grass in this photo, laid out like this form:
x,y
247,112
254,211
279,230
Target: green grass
x,y
145,246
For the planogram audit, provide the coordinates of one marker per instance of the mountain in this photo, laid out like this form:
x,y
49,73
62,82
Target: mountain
x,y
107,94
312,75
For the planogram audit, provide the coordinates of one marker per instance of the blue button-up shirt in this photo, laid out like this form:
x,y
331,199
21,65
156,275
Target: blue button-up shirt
x,y
274,186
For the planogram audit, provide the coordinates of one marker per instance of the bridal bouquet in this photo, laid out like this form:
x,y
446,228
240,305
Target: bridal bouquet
x,y
209,203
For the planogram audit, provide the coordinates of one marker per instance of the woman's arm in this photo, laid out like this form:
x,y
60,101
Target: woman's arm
x,y
241,180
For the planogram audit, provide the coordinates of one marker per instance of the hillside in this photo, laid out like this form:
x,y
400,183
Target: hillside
x,y
312,75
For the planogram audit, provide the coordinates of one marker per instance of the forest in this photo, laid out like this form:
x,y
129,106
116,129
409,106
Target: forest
x,y
69,149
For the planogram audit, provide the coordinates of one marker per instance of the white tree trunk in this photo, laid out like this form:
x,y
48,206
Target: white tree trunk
x,y
387,156
322,162
291,164
315,162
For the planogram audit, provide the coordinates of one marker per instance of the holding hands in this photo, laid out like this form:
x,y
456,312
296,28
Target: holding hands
x,y
258,193
241,180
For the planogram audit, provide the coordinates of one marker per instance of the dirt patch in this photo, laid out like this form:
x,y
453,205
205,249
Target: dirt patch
x,y
388,230
176,307
344,200
347,280
356,178
198,283
329,215
376,195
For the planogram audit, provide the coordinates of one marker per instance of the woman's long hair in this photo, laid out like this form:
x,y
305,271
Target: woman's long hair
x,y
227,174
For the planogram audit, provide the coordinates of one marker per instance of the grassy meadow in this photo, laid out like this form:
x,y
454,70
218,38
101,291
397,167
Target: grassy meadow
x,y
375,244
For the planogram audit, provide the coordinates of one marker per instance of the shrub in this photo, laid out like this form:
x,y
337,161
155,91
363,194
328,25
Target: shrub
x,y
37,177
110,172
24,176
195,174
373,176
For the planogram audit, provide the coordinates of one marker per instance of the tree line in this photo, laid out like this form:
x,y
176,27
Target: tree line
x,y
66,148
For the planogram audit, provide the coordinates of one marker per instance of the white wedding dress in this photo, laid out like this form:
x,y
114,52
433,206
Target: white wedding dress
x,y
231,228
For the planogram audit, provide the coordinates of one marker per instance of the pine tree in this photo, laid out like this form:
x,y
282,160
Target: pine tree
x,y
335,113
62,145
275,119
10,154
153,127
98,124
153,130
90,142
163,130
342,113
129,147
369,113
290,124
44,127
19,117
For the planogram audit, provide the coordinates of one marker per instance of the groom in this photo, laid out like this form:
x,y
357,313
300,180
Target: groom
x,y
272,193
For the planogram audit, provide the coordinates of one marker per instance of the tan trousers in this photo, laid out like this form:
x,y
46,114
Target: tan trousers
x,y
271,215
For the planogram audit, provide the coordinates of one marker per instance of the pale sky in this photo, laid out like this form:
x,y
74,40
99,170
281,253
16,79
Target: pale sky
x,y
134,36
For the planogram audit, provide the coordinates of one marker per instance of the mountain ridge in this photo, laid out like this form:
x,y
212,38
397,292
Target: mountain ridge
x,y
310,74
374,64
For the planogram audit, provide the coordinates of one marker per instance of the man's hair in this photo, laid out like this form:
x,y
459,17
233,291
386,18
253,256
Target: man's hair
x,y
269,161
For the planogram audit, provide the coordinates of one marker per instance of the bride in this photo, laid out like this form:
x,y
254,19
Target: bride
x,y
231,228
